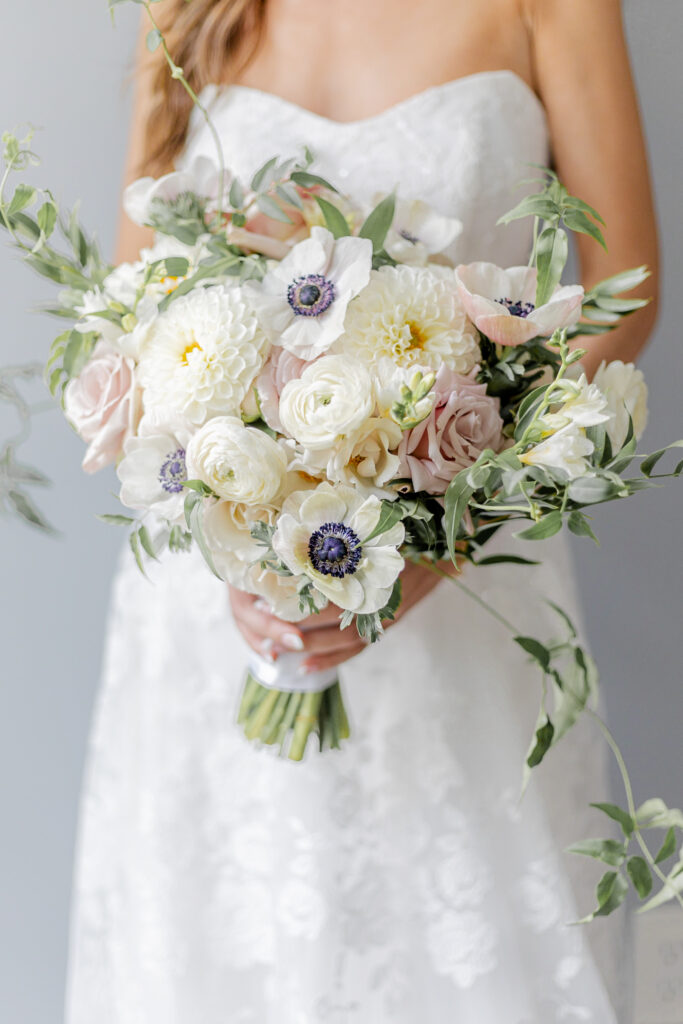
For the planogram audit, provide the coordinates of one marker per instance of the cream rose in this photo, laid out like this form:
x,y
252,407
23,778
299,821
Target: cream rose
x,y
369,461
328,403
101,405
238,463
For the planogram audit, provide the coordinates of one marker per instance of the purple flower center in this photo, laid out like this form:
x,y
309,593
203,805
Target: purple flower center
x,y
517,307
173,473
408,237
334,550
310,295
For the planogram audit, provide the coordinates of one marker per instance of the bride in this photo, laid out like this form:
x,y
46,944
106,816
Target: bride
x,y
399,880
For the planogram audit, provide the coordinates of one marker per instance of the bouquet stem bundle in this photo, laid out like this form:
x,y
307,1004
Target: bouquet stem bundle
x,y
284,719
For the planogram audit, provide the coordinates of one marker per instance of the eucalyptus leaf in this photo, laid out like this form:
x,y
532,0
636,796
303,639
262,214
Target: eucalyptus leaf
x,y
617,814
272,209
378,222
309,181
609,851
544,738
335,221
547,526
641,876
668,847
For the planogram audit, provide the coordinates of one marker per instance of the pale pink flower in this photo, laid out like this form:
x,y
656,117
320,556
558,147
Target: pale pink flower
x,y
464,421
101,405
500,303
281,367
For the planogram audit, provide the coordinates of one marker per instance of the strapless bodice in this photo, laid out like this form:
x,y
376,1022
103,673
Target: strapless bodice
x,y
462,146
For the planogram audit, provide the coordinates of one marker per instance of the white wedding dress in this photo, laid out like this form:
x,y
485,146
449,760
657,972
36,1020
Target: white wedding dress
x,y
396,881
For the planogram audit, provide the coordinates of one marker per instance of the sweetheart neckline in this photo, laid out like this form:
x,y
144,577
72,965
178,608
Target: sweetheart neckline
x,y
225,88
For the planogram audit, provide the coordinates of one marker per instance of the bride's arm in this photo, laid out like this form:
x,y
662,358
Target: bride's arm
x,y
583,77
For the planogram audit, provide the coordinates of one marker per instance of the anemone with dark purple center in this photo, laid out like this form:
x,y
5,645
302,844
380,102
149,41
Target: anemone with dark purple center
x,y
334,550
517,308
408,237
173,473
310,295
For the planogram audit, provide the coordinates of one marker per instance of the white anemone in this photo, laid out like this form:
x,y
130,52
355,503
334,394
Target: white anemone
x,y
202,354
418,231
326,536
501,303
413,316
153,469
303,299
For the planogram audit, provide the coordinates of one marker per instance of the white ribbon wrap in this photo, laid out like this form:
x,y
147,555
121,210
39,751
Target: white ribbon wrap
x,y
284,674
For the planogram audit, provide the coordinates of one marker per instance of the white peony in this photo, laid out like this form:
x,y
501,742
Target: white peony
x,y
329,402
202,354
326,536
626,393
153,470
565,451
237,462
303,299
418,231
412,315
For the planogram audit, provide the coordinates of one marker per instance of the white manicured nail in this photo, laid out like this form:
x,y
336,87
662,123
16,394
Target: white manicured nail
x,y
262,606
292,641
267,649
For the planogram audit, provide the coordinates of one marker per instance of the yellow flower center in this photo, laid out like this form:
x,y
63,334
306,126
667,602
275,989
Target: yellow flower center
x,y
418,338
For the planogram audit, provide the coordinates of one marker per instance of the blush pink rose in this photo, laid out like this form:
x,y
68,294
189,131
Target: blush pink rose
x,y
280,368
464,421
101,405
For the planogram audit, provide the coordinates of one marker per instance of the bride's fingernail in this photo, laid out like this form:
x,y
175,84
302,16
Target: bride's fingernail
x,y
267,649
305,669
262,606
292,641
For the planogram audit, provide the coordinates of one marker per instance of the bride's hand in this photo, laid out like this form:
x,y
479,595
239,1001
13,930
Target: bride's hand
x,y
319,635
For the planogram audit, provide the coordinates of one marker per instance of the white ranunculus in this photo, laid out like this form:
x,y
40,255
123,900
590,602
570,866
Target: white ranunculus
x,y
565,451
369,461
325,535
584,405
227,529
418,231
201,176
329,402
237,462
303,299
202,354
626,391
413,316
153,470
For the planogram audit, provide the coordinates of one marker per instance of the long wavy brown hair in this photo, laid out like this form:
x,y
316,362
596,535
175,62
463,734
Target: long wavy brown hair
x,y
211,40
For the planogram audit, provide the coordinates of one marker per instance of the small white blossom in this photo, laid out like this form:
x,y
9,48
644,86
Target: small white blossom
x,y
565,451
626,393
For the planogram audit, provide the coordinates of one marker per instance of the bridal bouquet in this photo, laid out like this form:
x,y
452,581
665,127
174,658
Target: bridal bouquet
x,y
305,387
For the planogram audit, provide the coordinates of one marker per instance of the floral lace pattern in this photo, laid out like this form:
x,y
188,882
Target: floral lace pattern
x,y
397,880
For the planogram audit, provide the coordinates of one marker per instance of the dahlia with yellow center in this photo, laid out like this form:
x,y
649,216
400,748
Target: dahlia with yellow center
x,y
413,316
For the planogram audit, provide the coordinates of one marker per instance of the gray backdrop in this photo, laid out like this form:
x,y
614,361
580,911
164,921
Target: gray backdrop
x,y
68,73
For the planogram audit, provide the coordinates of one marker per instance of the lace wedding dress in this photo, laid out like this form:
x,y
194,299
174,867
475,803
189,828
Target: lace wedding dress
x,y
399,880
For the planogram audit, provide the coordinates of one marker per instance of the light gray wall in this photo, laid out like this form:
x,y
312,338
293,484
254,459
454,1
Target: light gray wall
x,y
67,73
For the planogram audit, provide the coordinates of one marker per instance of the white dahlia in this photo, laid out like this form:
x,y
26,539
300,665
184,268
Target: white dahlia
x,y
412,315
202,355
326,536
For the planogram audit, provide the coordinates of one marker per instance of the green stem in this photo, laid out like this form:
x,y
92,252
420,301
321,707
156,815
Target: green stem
x,y
306,720
630,803
178,74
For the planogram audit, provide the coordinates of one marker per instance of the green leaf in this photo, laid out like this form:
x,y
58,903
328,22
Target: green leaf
x,y
655,814
577,220
154,40
626,281
334,219
115,520
500,559
537,205
536,649
640,875
649,463
548,526
668,847
47,218
27,510
590,490
609,851
308,180
272,209
378,222
196,524
390,514
289,194
552,250
619,815
146,542
23,196
394,602
456,499
237,196
611,893
574,203
134,542
579,525
263,173
544,738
